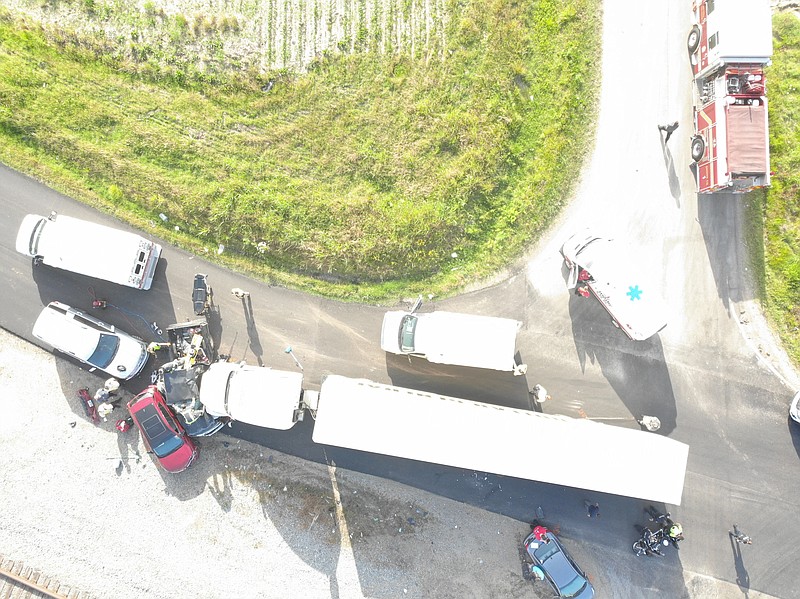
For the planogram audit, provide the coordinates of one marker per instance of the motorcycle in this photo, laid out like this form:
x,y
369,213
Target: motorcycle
x,y
650,543
202,295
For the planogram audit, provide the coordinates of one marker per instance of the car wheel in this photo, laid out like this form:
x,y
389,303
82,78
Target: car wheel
x,y
694,39
698,148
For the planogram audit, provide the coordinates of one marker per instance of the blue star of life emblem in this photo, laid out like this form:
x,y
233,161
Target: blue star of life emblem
x,y
634,293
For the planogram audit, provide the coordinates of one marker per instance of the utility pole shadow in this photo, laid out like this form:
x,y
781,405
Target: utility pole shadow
x,y
252,331
669,162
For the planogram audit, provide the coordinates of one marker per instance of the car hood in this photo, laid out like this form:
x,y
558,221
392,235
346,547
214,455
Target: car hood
x,y
131,357
180,459
390,332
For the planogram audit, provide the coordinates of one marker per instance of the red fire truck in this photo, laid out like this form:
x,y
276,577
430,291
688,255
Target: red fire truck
x,y
729,46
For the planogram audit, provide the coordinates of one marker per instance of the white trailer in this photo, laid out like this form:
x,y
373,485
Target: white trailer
x,y
367,416
455,339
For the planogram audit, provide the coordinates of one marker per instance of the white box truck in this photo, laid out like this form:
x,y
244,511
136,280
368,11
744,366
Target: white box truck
x,y
89,249
455,339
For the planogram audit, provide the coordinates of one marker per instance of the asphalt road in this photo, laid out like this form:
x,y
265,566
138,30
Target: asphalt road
x,y
701,376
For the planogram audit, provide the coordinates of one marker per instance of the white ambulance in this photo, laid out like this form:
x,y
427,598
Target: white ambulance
x,y
597,265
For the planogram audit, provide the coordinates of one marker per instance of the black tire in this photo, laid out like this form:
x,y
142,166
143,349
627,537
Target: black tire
x,y
698,148
639,548
693,40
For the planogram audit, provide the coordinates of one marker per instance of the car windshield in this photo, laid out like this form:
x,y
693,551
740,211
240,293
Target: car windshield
x,y
407,327
105,351
559,569
574,587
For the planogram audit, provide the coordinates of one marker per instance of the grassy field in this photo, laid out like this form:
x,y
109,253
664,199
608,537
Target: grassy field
x,y
402,154
780,209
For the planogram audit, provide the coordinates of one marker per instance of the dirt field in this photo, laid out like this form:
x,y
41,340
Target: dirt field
x,y
88,506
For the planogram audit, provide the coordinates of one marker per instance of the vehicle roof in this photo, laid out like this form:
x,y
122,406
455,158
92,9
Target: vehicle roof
x,y
153,424
745,30
64,332
368,416
623,285
465,339
747,139
74,244
256,395
555,562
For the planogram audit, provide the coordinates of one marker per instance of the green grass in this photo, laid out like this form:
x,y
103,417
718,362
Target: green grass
x,y
361,179
781,208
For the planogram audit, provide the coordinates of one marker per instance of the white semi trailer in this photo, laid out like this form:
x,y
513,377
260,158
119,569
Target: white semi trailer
x,y
367,416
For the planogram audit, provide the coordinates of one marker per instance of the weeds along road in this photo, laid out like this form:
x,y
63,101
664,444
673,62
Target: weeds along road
x,y
701,376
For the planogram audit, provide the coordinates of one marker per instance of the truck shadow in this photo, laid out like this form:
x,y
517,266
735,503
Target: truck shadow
x,y
475,384
721,217
636,370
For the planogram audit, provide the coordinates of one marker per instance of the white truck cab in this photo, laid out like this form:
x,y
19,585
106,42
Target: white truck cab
x,y
254,395
452,338
89,249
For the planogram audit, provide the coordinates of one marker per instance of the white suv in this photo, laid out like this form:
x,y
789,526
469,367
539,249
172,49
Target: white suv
x,y
90,340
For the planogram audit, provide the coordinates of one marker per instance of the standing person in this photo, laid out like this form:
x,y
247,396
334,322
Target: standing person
x,y
739,536
675,534
669,129
655,516
592,508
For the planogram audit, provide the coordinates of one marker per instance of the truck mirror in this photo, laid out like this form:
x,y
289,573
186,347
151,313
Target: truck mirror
x,y
417,305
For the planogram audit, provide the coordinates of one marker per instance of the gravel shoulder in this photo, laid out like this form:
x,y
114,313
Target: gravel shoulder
x,y
88,506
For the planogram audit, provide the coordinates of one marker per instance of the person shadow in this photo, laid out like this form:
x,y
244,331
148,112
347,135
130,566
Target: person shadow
x,y
742,577
672,176
128,443
252,330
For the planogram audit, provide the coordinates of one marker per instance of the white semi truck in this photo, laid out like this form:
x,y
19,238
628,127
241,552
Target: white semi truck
x,y
406,423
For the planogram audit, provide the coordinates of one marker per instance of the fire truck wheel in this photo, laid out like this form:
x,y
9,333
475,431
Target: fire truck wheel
x,y
698,148
694,38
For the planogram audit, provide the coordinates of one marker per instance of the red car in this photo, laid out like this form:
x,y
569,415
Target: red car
x,y
161,431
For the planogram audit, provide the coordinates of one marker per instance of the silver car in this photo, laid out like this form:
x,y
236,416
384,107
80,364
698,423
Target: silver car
x,y
558,567
90,340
